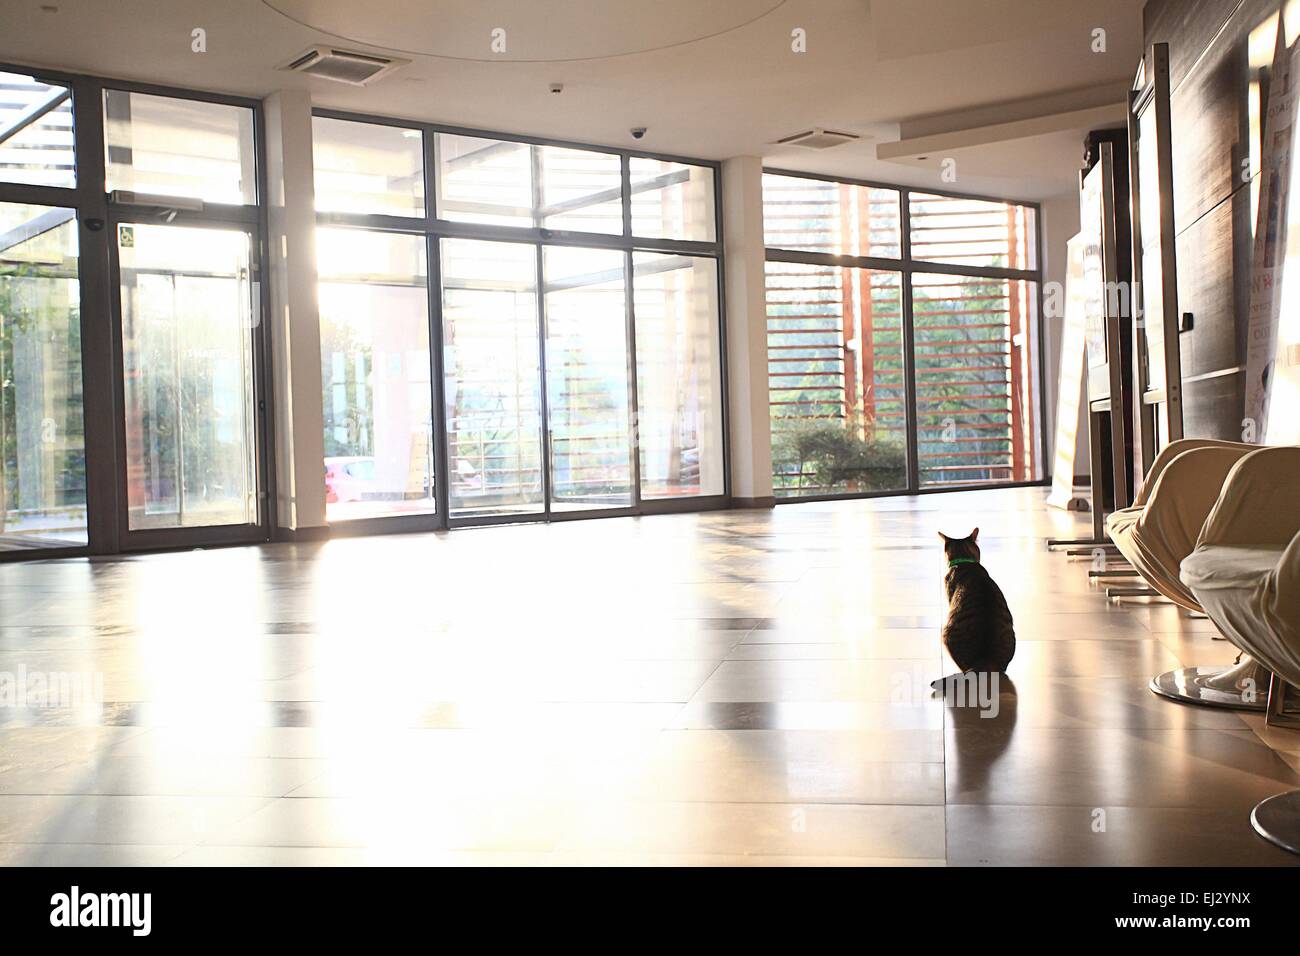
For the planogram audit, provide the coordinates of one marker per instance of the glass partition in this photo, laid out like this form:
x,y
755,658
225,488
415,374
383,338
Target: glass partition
x,y
42,428
679,375
492,366
37,144
368,168
587,378
164,145
835,379
375,374
923,375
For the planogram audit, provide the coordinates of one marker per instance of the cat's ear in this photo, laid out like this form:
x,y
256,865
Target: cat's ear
x,y
944,536
974,535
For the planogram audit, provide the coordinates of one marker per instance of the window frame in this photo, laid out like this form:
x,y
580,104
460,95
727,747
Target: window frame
x,y
907,267
102,387
434,229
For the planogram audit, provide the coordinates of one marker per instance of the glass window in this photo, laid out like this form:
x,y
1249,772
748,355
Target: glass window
x,y
835,379
493,182
972,232
484,180
493,375
188,313
974,343
368,168
375,374
42,431
167,146
679,375
813,215
672,200
581,190
37,145
587,378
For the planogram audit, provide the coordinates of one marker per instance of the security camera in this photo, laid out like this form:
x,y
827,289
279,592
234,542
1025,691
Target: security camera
x,y
637,132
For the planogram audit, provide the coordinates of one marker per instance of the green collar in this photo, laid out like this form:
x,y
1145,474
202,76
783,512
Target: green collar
x,y
956,561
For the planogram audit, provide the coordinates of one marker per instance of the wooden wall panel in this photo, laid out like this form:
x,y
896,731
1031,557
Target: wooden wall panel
x,y
1211,122
1214,285
1210,77
1192,23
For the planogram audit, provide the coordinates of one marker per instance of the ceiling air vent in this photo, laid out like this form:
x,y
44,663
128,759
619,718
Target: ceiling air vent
x,y
346,66
817,139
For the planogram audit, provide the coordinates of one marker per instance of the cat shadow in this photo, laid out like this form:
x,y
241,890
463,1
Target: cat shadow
x,y
978,731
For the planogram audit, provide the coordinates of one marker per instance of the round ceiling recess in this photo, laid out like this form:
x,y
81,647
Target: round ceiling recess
x,y
523,31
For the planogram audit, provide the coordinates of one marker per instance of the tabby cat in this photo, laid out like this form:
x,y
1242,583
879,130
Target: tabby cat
x,y
978,634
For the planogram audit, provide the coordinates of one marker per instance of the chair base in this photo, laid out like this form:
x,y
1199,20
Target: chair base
x,y
1216,686
1277,820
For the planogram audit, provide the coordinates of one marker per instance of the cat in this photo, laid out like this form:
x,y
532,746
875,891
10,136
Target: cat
x,y
978,634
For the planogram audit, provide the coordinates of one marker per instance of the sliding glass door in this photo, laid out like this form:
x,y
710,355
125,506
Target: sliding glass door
x,y
188,314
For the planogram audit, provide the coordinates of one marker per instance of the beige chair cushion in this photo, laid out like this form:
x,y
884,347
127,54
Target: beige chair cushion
x,y
1245,569
1158,532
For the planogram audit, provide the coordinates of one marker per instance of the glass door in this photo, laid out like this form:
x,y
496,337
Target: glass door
x,y
189,309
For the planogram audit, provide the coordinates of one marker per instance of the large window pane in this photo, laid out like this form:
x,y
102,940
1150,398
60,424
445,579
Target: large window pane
x,y
975,404
42,436
516,184
187,325
672,200
485,180
587,378
972,232
368,168
36,135
176,147
836,384
812,215
581,190
375,374
679,375
493,377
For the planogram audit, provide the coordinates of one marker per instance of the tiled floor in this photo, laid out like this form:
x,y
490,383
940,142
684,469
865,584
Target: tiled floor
x,y
738,687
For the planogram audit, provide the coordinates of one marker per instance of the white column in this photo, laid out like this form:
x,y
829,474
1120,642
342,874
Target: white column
x,y
751,433
294,318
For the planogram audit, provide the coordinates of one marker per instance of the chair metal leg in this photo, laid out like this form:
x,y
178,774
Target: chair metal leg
x,y
1283,704
1277,820
1240,687
1138,591
1078,542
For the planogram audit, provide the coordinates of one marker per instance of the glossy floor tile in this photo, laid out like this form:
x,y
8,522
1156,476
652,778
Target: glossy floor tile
x,y
724,689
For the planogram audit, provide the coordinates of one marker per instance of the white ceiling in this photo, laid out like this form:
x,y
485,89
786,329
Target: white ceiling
x,y
709,80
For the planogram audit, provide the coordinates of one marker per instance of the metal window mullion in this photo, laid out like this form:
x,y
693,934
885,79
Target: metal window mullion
x,y
437,355
909,345
99,345
633,397
437,359
544,402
